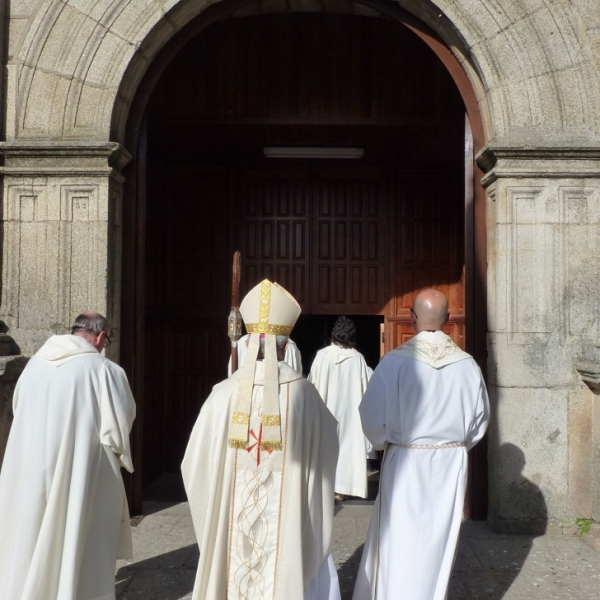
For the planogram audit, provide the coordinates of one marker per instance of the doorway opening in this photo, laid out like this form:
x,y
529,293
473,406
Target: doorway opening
x,y
313,332
345,236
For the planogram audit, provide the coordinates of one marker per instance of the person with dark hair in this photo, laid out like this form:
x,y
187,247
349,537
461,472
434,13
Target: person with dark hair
x,y
340,374
343,333
65,516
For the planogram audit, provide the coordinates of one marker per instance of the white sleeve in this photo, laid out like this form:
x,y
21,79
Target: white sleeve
x,y
16,396
293,357
372,409
482,416
117,412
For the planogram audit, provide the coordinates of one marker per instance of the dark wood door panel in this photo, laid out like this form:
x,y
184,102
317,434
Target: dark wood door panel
x,y
274,230
349,243
430,244
398,332
340,215
306,65
199,361
197,245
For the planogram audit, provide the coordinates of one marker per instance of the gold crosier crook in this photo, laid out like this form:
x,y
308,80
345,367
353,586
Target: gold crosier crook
x,y
234,321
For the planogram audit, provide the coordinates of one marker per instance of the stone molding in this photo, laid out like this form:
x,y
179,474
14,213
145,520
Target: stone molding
x,y
590,373
524,62
545,162
62,204
69,158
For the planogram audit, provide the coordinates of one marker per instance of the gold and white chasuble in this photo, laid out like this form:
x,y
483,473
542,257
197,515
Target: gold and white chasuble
x,y
255,497
263,518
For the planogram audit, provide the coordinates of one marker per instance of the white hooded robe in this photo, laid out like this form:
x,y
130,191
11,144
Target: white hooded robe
x,y
292,355
264,519
65,516
425,394
341,376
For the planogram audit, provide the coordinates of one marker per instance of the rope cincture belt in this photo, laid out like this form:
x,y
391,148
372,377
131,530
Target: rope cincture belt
x,y
430,446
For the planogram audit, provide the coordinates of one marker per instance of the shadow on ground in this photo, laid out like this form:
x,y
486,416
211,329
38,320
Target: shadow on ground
x,y
486,564
169,576
347,574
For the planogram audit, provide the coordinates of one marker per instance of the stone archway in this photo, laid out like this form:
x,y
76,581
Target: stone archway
x,y
134,253
534,70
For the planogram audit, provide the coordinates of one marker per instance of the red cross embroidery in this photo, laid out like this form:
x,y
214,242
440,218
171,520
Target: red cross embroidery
x,y
257,445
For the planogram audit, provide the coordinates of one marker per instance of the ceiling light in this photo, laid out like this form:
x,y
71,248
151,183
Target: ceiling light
x,y
312,152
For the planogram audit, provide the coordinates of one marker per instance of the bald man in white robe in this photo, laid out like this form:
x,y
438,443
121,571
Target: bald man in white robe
x,y
426,405
65,519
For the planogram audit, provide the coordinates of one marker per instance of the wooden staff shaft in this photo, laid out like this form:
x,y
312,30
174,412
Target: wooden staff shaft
x,y
235,319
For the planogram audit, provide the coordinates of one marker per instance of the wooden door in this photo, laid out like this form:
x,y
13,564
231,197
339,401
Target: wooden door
x,y
319,232
274,226
349,242
188,254
358,237
428,234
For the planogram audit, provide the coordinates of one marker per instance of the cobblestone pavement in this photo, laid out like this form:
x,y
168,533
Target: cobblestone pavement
x,y
488,566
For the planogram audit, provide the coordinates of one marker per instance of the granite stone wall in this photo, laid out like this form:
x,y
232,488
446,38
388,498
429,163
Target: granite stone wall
x,y
73,68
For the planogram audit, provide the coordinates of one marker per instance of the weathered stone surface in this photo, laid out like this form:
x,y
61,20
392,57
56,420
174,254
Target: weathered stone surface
x,y
73,69
581,442
11,368
488,565
511,49
592,537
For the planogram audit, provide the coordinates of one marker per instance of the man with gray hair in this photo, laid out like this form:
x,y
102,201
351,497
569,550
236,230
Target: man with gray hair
x,y
61,490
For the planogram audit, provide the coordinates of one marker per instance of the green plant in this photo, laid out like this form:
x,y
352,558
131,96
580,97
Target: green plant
x,y
583,524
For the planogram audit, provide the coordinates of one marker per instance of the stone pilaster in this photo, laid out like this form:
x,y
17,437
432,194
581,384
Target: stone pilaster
x,y
62,241
61,247
544,316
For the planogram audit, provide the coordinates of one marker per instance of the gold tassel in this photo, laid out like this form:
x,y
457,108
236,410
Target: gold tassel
x,y
238,444
271,445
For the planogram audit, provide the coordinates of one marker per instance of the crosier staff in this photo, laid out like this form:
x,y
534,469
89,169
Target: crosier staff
x,y
234,321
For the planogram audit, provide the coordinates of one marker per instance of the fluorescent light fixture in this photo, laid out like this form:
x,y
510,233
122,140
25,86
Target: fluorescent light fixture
x,y
312,152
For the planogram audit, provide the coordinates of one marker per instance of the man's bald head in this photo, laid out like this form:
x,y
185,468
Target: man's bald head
x,y
430,311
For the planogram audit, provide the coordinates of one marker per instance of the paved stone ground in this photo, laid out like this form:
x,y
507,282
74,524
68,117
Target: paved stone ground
x,y
488,566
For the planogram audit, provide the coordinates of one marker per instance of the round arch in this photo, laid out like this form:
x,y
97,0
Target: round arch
x,y
132,344
523,66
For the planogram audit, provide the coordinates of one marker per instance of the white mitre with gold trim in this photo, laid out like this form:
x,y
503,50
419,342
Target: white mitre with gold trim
x,y
269,310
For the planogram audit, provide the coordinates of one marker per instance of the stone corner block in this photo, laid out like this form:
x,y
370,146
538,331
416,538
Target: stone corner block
x,y
592,537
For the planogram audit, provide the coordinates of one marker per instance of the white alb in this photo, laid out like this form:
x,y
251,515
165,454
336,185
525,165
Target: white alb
x,y
341,376
65,517
427,405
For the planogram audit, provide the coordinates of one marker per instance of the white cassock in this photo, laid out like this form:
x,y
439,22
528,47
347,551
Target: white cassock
x,y
264,519
371,452
424,393
292,355
65,516
341,376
